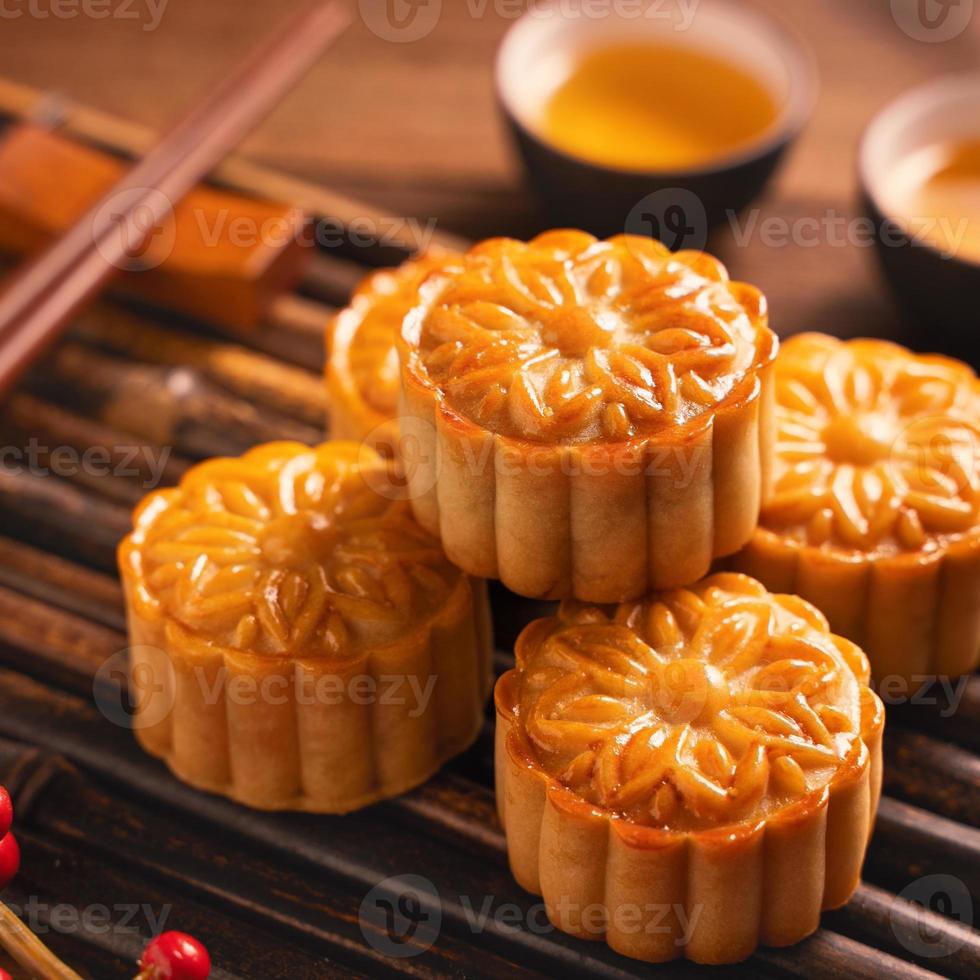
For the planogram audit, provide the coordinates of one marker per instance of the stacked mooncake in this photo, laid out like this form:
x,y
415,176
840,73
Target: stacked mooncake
x,y
687,763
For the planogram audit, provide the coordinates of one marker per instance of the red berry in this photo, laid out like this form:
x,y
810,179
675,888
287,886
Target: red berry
x,y
6,814
175,956
4,975
9,860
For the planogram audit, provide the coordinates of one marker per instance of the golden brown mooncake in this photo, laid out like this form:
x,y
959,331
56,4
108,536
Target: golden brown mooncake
x,y
875,512
298,641
362,362
587,418
691,774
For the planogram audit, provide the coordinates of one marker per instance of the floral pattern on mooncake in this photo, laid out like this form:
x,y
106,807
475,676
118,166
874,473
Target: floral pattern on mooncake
x,y
713,751
874,515
877,449
288,550
694,707
570,339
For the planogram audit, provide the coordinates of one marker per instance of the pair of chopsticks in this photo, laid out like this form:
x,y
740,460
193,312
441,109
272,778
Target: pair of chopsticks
x,y
45,293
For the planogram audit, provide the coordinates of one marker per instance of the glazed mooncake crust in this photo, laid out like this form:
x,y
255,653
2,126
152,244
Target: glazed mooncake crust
x,y
298,641
587,418
362,370
689,775
875,512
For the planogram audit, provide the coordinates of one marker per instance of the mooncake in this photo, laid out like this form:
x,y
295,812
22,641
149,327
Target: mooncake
x,y
362,363
691,774
586,418
298,641
875,512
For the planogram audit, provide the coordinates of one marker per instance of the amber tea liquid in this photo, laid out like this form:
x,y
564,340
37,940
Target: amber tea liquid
x,y
936,193
656,107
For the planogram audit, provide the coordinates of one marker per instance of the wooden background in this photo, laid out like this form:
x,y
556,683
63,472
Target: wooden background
x,y
413,126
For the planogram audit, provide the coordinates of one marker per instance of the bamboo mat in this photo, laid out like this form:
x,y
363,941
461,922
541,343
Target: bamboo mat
x,y
280,896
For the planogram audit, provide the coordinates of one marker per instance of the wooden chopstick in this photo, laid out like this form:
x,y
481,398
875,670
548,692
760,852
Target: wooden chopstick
x,y
44,294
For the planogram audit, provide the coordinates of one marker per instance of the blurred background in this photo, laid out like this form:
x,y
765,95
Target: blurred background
x,y
406,117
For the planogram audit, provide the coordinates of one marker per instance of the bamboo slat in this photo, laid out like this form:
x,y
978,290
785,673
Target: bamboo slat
x,y
279,896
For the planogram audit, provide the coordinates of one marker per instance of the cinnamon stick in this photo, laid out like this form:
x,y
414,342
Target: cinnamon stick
x,y
167,406
294,392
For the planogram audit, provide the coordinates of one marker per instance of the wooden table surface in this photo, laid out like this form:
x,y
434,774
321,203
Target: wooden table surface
x,y
413,126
